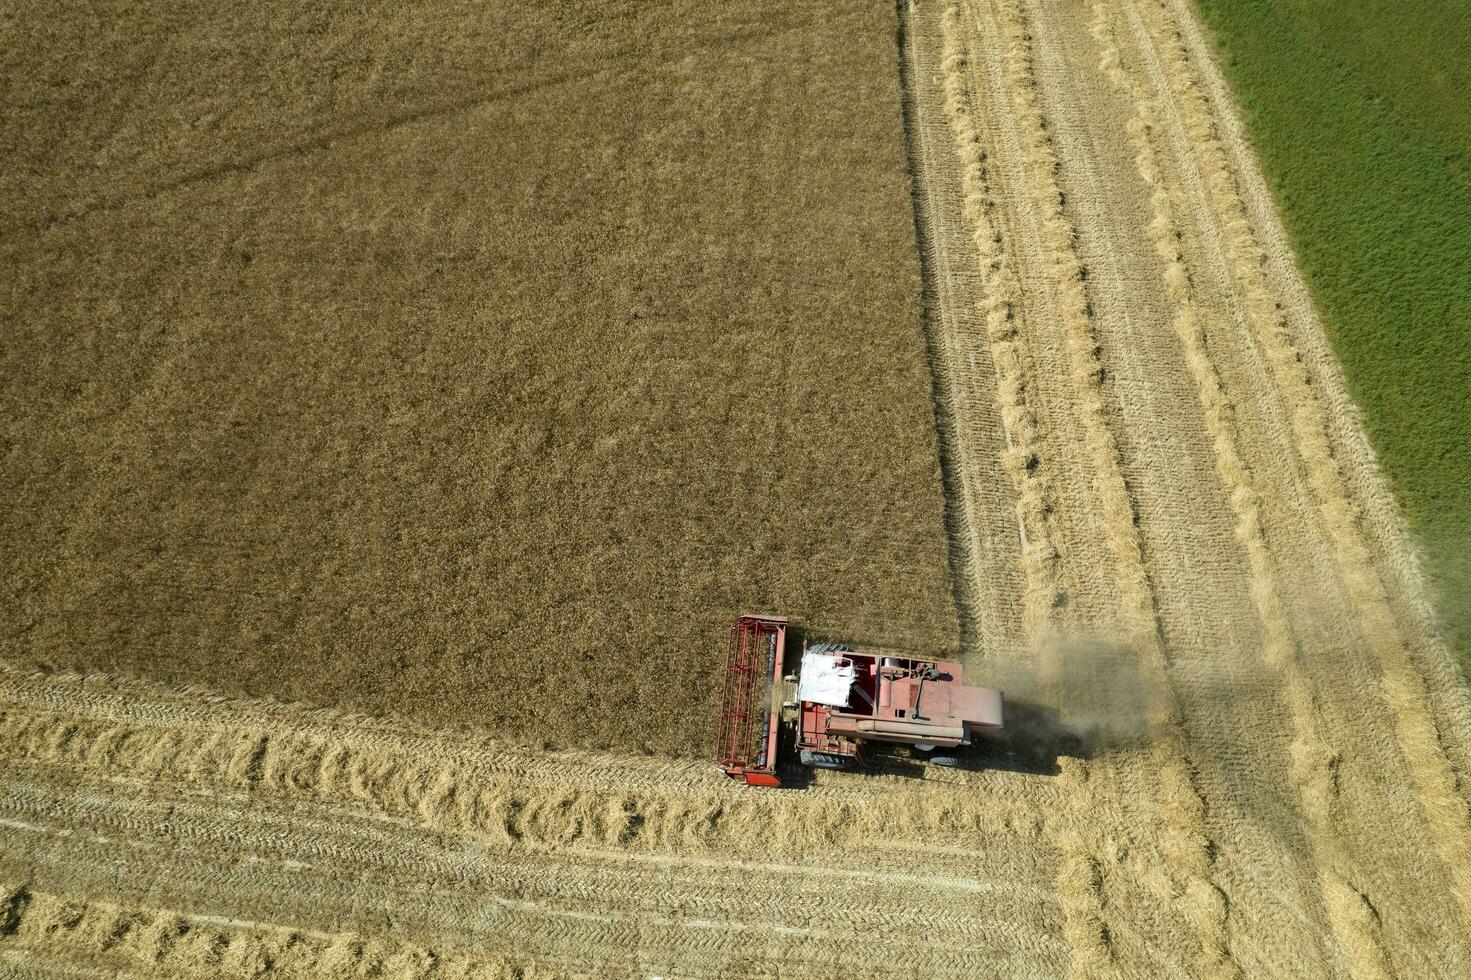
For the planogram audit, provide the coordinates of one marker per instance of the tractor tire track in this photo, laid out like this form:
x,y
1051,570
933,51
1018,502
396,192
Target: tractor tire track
x,y
1312,760
148,799
1405,690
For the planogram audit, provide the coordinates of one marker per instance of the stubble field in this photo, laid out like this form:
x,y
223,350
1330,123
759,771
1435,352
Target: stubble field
x,y
1166,532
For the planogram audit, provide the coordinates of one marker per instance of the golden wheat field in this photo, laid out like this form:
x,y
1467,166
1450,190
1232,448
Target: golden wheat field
x,y
1167,537
470,363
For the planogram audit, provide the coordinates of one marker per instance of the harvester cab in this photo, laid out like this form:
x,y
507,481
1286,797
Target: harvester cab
x,y
838,699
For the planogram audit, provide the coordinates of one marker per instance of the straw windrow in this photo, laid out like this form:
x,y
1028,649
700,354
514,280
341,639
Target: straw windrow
x,y
128,937
1080,873
1312,759
999,305
1181,821
1404,688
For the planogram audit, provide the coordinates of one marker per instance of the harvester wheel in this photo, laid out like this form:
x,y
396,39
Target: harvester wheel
x,y
823,760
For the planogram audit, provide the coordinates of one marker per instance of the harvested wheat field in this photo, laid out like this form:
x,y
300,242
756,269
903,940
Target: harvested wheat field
x,y
1167,538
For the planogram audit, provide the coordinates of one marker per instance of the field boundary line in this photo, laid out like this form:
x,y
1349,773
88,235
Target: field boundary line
x,y
1312,760
1404,690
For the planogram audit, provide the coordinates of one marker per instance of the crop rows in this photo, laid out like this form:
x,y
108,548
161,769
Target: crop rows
x,y
1404,688
1312,759
1225,711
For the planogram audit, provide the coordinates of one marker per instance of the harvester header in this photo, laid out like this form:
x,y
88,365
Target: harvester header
x,y
750,708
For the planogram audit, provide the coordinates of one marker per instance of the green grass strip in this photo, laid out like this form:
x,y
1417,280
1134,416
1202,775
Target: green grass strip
x,y
1365,151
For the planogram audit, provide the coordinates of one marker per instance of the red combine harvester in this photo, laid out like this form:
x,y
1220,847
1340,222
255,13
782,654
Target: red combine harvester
x,y
839,699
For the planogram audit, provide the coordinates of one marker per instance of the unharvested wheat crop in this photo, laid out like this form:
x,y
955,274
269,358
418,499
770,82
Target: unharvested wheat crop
x,y
473,363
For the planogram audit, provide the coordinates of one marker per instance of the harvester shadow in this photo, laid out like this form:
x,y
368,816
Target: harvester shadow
x,y
1032,742
1034,739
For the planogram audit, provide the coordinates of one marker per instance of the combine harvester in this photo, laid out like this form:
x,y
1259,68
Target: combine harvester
x,y
840,699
